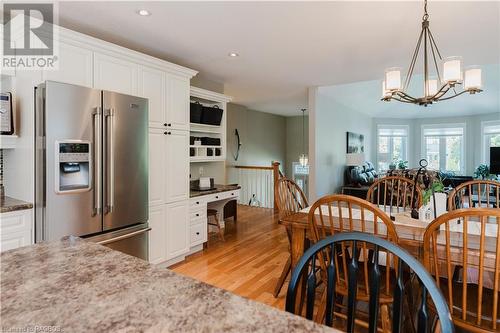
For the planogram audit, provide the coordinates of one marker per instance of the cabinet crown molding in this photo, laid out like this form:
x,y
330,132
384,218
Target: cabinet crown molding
x,y
95,44
209,95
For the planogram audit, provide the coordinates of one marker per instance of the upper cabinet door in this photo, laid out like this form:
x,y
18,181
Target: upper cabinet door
x,y
177,165
153,87
178,102
115,74
74,66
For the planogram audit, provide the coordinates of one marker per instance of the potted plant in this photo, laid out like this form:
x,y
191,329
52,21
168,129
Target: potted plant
x,y
402,165
434,201
483,172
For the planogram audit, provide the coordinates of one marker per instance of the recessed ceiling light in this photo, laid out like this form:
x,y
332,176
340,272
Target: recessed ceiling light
x,y
233,54
144,12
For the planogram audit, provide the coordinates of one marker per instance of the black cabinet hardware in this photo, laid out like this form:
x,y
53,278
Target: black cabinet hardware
x,y
167,133
197,233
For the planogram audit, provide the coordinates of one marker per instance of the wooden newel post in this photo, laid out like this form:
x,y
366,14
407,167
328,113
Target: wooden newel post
x,y
276,177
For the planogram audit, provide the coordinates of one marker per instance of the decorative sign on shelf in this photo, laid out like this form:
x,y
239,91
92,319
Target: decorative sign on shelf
x,y
6,116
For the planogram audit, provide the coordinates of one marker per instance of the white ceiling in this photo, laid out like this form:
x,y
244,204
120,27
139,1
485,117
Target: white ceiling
x,y
286,47
365,98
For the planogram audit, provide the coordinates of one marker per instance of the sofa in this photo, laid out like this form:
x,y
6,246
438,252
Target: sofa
x,y
363,175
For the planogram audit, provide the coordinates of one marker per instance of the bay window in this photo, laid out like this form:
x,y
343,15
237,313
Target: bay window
x,y
392,144
491,138
443,146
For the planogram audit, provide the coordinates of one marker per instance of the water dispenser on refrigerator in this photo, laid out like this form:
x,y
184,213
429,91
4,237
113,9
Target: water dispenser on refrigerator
x,y
74,171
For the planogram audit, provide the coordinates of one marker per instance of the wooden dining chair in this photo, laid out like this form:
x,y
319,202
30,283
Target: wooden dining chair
x,y
349,270
395,192
467,241
342,213
475,193
290,199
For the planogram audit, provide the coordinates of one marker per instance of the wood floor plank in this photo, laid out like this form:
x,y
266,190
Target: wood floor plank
x,y
249,262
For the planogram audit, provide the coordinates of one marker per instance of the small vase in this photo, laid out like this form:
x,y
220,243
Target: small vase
x,y
425,213
441,199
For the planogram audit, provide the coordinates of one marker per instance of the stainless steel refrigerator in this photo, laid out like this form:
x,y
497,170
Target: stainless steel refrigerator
x,y
91,166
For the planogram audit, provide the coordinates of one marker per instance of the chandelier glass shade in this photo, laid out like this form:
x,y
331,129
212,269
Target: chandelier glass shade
x,y
448,74
303,160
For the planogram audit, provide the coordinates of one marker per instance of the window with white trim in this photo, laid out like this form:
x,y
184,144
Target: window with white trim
x,y
443,146
491,138
392,144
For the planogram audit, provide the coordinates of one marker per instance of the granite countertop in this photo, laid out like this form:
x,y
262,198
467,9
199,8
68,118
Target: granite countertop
x,y
77,286
218,188
10,204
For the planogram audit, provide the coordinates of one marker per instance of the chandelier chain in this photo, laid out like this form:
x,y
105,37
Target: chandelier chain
x,y
426,15
303,130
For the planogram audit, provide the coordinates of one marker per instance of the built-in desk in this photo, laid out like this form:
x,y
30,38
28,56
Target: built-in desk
x,y
200,202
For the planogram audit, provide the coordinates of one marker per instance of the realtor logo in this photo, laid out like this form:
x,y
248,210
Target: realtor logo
x,y
29,36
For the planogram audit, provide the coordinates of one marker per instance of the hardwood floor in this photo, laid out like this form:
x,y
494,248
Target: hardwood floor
x,y
249,262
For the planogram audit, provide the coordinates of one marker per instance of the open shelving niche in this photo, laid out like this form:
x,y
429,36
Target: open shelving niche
x,y
209,98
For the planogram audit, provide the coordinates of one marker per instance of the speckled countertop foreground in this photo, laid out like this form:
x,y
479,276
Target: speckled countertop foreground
x,y
76,286
8,204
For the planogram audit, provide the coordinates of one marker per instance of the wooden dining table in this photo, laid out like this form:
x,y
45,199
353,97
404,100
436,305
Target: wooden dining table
x,y
410,232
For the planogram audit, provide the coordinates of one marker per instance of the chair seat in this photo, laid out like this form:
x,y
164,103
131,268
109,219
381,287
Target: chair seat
x,y
362,294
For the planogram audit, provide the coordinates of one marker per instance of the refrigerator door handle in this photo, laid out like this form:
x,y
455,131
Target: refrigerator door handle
x,y
96,164
115,239
110,177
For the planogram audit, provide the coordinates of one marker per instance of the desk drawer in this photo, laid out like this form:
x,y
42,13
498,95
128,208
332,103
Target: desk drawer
x,y
198,202
198,214
198,220
228,194
198,234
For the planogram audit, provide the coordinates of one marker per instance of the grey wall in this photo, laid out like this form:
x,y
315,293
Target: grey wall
x,y
294,145
473,139
331,121
263,138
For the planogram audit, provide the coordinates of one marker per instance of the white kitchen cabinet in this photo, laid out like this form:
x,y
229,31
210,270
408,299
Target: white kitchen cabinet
x,y
157,239
115,74
74,66
177,116
15,229
168,166
157,166
177,231
177,165
152,86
